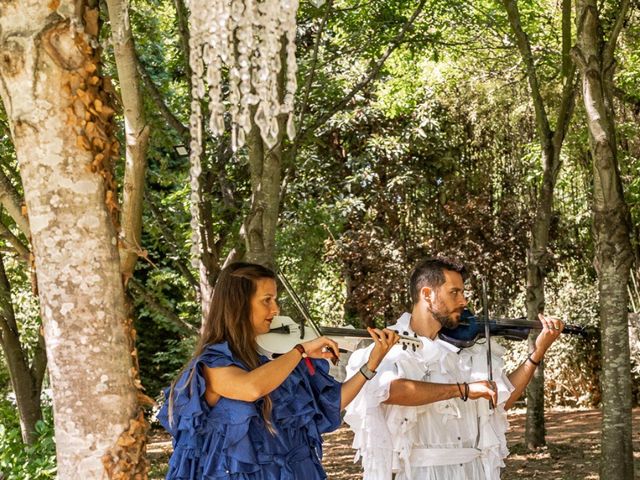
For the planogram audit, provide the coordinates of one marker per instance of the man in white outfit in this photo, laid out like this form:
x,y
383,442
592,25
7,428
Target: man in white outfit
x,y
426,414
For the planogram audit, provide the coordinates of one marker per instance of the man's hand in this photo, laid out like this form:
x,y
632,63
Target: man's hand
x,y
483,389
552,328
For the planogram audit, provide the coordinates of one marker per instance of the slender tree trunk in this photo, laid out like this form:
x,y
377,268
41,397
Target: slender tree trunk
x,y
538,255
62,129
594,56
26,387
265,166
136,135
537,260
260,224
208,265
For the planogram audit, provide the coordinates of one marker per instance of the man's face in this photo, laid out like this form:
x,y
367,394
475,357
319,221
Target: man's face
x,y
448,301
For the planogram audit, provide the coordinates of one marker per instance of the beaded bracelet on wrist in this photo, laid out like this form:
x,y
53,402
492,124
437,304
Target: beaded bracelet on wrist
x,y
533,361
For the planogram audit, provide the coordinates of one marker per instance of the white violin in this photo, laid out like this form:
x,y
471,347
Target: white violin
x,y
285,333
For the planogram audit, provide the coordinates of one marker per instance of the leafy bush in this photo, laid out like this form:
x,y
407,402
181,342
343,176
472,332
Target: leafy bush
x,y
26,462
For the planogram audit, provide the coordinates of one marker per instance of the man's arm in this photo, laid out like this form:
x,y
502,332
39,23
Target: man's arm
x,y
522,375
414,392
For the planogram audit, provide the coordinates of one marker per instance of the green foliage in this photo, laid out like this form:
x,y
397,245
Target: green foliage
x,y
25,305
26,462
438,154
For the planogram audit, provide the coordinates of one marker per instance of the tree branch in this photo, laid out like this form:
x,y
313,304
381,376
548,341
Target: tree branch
x,y
566,37
567,105
22,251
167,233
314,62
522,39
136,135
610,46
140,292
39,362
158,99
183,30
11,201
364,82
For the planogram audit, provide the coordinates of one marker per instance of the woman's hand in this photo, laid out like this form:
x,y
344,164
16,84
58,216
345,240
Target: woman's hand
x,y
384,340
321,347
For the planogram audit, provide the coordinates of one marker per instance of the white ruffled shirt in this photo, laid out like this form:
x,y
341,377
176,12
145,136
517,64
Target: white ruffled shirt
x,y
446,440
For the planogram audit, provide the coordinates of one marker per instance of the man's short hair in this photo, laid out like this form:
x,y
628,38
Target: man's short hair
x,y
430,273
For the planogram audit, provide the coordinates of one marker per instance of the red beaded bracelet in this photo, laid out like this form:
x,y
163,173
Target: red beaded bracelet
x,y
307,360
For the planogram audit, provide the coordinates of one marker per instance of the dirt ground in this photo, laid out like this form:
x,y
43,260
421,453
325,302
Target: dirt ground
x,y
572,451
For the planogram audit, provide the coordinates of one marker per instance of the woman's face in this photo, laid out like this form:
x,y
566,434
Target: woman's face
x,y
263,305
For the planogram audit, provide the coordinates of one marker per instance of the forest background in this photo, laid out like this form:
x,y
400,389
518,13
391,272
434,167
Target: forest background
x,y
424,127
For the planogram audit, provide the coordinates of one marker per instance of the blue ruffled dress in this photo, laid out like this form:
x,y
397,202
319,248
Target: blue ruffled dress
x,y
230,439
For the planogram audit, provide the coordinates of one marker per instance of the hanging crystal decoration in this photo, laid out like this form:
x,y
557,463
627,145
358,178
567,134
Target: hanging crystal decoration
x,y
246,37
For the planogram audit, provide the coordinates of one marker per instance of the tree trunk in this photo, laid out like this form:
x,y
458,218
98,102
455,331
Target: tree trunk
x,y
613,255
551,145
26,387
260,224
265,167
208,265
62,129
136,135
537,259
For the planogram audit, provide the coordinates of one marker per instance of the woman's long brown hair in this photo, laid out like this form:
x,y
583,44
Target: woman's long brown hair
x,y
230,320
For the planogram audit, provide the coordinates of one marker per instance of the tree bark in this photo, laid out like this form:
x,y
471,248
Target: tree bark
x,y
26,386
62,128
594,56
538,255
136,135
265,166
208,264
262,219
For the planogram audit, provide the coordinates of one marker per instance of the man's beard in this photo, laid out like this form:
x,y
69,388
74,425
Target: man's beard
x,y
445,319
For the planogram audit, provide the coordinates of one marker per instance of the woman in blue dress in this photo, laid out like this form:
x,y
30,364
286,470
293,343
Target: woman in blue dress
x,y
236,415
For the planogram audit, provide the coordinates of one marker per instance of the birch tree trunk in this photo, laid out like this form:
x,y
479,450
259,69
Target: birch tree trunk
x,y
136,135
538,255
62,128
594,56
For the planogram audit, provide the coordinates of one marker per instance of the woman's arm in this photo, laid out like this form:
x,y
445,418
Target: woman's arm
x,y
238,384
384,340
